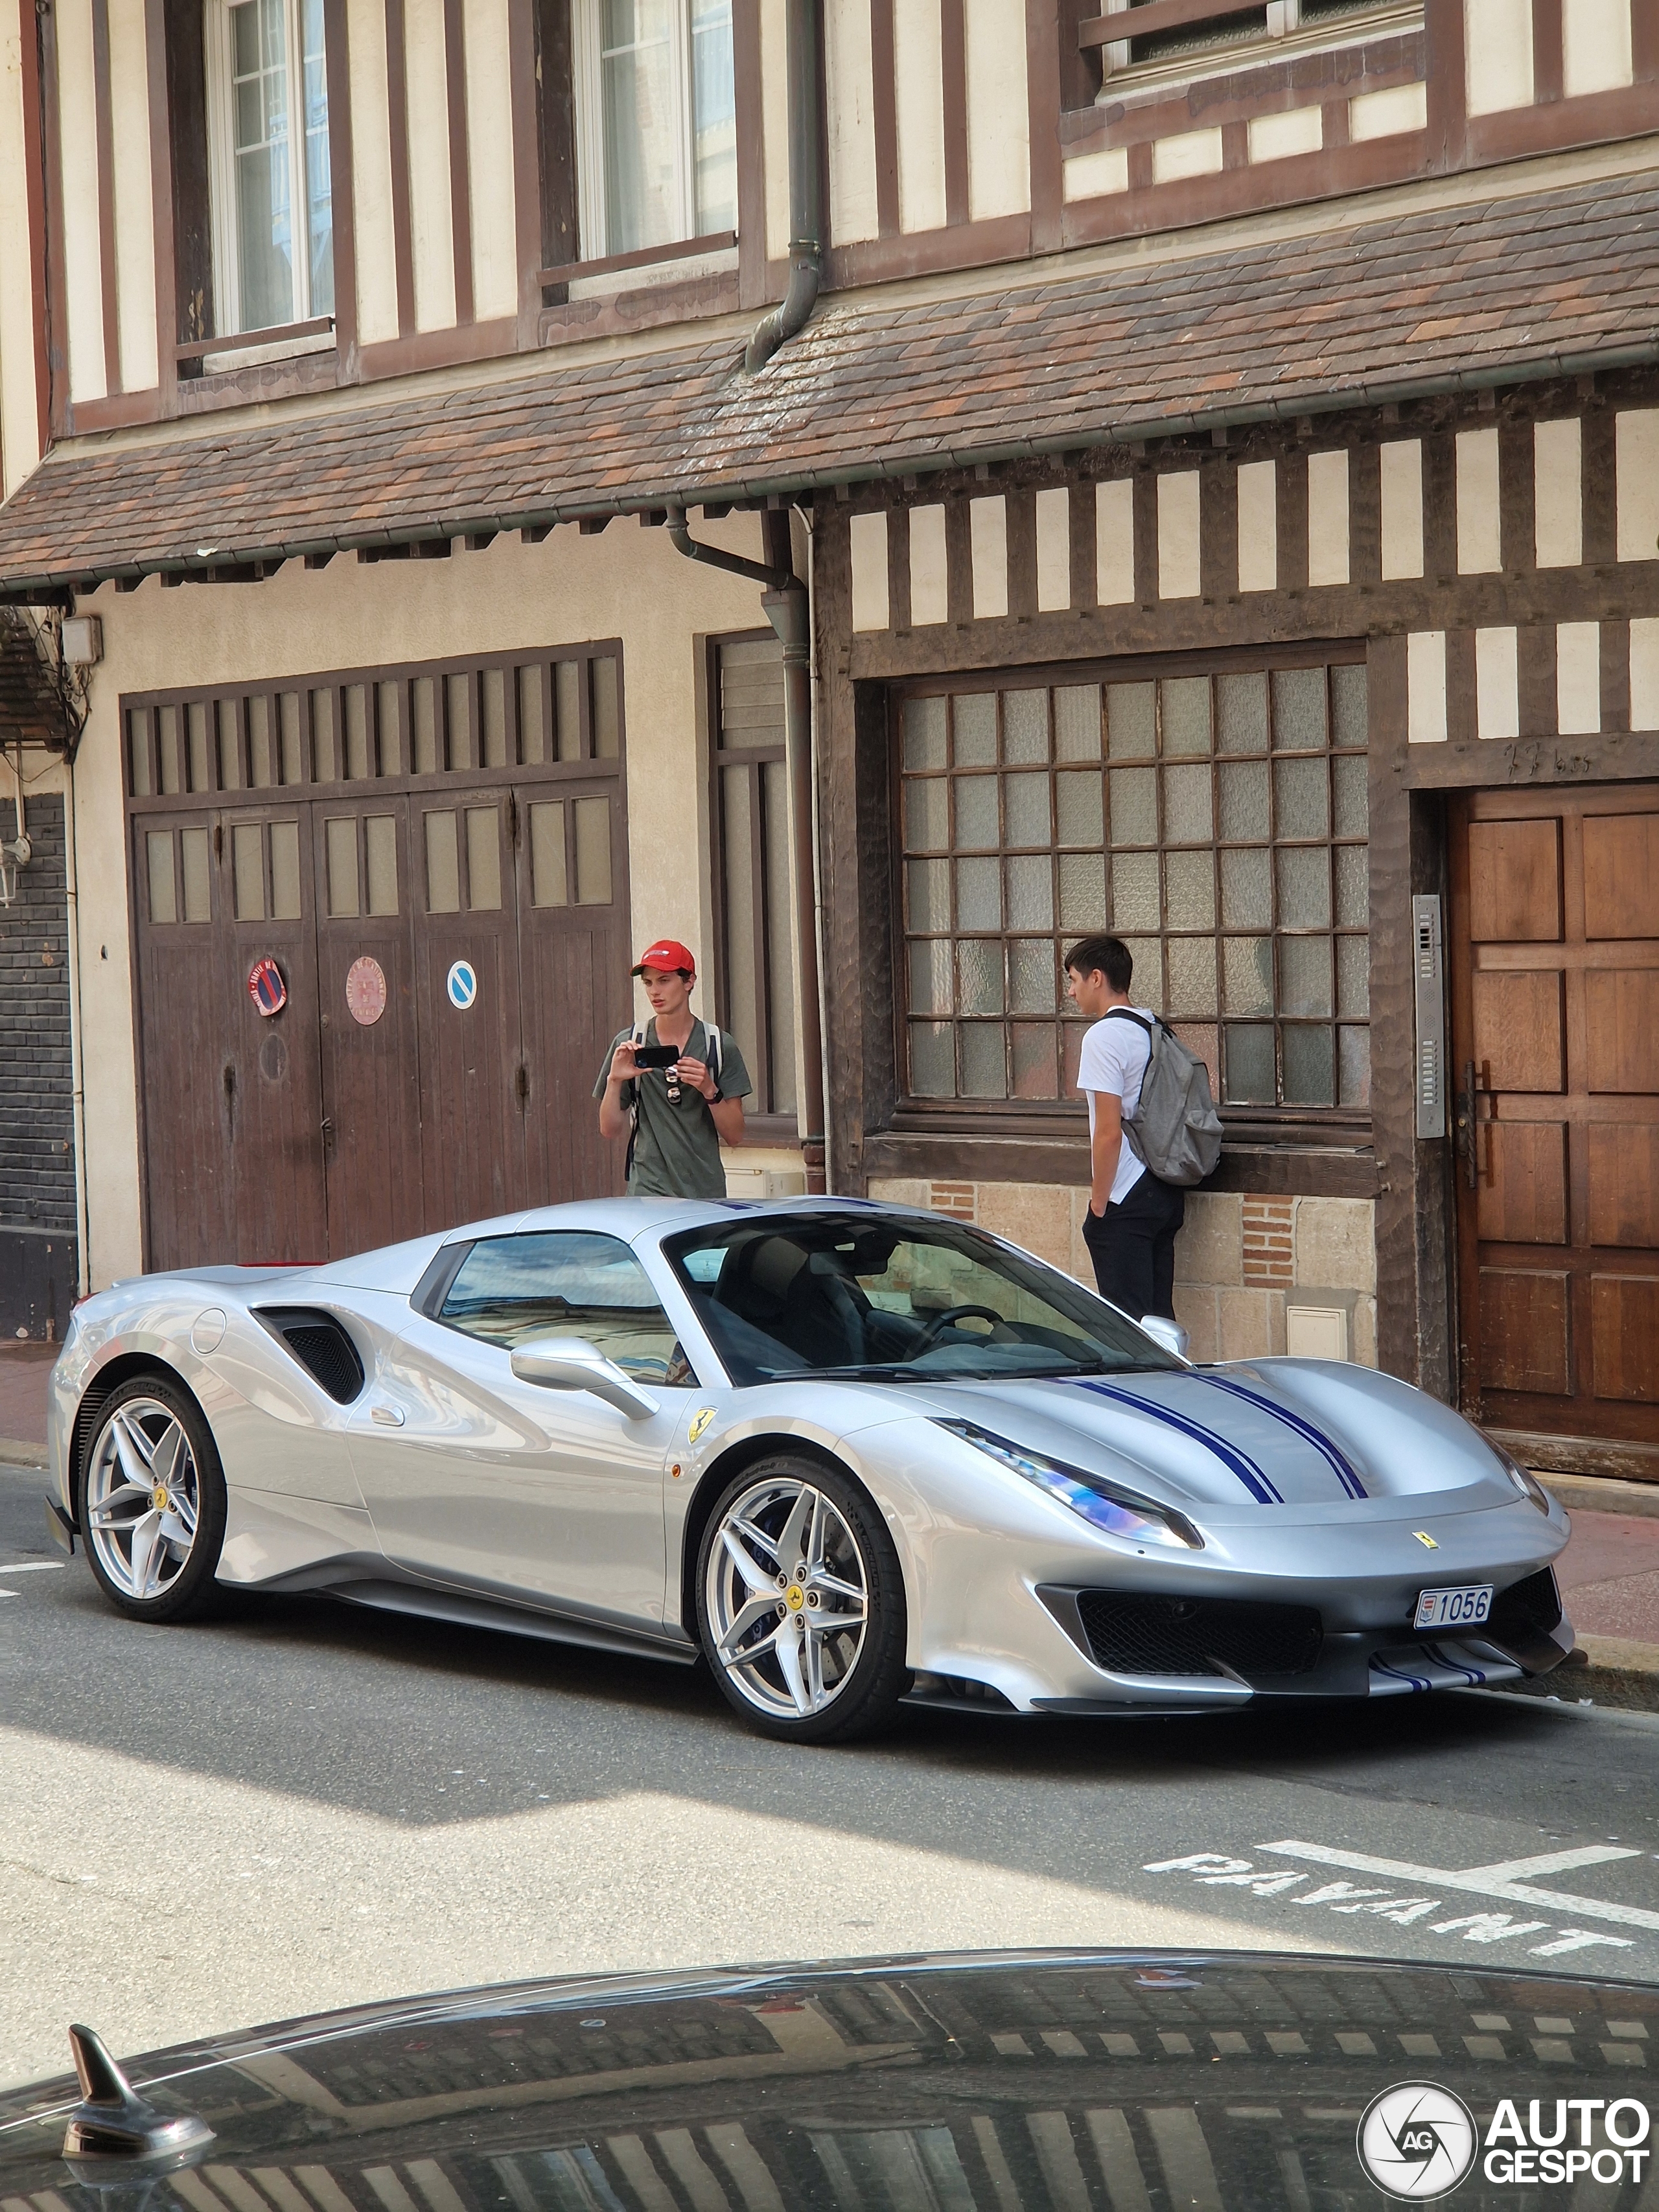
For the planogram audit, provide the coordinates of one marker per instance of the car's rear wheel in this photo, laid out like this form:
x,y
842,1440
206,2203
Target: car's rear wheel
x,y
153,1501
800,1603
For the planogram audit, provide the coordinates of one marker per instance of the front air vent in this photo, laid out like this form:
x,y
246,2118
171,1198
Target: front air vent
x,y
1529,1607
322,1347
1138,1633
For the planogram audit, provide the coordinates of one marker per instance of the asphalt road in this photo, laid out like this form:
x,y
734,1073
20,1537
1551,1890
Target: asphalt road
x,y
301,1805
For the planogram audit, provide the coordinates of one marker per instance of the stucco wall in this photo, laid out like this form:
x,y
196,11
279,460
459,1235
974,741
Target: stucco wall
x,y
628,582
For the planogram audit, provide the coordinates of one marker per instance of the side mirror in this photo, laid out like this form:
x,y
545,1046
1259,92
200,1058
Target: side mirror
x,y
1169,1333
571,1363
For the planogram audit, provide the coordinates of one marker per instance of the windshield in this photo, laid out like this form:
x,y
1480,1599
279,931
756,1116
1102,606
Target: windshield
x,y
907,1300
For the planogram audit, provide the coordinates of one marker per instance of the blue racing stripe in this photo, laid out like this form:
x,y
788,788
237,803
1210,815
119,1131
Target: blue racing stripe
x,y
1321,1443
1231,1458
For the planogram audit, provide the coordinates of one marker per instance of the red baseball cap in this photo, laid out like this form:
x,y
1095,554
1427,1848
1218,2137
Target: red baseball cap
x,y
668,955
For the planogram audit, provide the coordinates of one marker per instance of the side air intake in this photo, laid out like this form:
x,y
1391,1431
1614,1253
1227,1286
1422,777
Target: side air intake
x,y
322,1347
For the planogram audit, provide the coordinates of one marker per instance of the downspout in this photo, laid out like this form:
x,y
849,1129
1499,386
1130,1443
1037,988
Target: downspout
x,y
77,1079
806,200
785,599
787,609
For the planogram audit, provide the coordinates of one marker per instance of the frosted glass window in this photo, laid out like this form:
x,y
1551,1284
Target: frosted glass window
x,y
548,885
340,844
247,846
592,826
285,871
1222,836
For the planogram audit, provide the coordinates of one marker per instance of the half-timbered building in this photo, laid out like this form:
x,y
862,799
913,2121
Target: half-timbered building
x,y
1214,496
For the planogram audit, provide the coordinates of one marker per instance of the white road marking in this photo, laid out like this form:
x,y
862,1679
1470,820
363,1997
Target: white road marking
x,y
1215,1870
34,1567
1494,1880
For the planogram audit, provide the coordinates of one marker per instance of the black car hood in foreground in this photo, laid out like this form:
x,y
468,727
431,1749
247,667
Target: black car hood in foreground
x,y
1144,2082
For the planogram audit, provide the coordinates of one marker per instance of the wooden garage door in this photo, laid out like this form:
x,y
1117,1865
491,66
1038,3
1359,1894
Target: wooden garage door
x,y
1555,972
436,859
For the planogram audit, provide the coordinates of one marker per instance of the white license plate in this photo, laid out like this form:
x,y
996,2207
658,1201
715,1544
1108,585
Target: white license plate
x,y
1454,1608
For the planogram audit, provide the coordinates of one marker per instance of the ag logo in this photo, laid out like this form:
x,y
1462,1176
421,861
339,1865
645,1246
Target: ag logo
x,y
1417,2141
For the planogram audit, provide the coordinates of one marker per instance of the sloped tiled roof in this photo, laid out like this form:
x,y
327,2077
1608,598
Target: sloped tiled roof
x,y
1514,285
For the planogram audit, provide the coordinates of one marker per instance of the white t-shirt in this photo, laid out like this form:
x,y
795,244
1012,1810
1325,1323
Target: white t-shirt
x,y
1114,1060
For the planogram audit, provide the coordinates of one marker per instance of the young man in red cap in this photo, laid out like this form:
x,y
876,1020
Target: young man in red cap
x,y
679,1118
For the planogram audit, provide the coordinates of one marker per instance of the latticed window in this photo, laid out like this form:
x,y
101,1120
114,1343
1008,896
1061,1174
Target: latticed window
x,y
1214,819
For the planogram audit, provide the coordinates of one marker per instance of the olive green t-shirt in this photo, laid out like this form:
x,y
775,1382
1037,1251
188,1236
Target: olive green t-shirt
x,y
677,1149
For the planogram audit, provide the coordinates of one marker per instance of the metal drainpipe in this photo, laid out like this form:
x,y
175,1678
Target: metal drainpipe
x,y
787,609
77,1050
806,200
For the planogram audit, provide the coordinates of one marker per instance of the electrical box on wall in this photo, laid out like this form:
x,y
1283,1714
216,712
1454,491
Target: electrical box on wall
x,y
1431,979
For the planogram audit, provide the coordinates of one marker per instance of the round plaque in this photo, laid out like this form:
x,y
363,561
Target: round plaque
x,y
366,991
265,987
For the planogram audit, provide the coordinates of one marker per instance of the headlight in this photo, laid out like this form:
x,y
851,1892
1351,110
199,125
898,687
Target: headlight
x,y
1098,1502
1531,1490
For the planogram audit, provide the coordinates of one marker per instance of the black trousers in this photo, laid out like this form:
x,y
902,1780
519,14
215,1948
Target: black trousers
x,y
1133,1247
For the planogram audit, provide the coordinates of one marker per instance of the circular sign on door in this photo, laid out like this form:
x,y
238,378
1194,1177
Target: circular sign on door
x,y
463,985
265,987
365,991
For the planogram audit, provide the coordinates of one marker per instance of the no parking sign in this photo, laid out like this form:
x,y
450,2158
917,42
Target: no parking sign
x,y
463,985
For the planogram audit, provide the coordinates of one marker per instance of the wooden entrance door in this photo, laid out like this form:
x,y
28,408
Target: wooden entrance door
x,y
574,986
187,1067
1555,1029
232,1154
276,1142
472,1083
370,1099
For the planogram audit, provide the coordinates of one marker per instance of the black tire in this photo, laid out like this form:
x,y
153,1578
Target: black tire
x,y
871,1678
145,1406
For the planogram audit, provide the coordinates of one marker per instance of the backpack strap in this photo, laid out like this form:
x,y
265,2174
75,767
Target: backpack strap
x,y
637,1037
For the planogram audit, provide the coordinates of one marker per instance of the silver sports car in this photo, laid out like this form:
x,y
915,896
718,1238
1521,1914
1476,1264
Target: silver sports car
x,y
846,1453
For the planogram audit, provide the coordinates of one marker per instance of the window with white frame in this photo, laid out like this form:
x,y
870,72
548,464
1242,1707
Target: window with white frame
x,y
273,225
656,123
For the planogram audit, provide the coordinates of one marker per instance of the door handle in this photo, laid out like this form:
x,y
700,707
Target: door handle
x,y
325,1131
1470,1123
386,1417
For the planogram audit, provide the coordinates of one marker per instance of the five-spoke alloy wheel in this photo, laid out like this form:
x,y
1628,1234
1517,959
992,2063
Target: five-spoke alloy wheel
x,y
800,1602
153,1501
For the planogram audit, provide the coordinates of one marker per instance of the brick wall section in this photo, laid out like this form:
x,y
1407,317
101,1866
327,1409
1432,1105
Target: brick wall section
x,y
37,1159
1269,1242
956,1199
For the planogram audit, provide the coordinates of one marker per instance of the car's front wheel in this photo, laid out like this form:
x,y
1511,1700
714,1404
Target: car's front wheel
x,y
800,1602
153,1501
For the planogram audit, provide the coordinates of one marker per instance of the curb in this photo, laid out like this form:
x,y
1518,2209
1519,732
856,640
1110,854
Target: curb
x,y
1592,1493
1601,1670
16,1451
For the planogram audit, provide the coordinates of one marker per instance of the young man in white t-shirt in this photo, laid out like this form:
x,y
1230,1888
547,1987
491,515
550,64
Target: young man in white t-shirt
x,y
1133,1219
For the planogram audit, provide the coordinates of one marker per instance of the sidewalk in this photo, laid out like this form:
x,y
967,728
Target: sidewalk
x,y
24,1368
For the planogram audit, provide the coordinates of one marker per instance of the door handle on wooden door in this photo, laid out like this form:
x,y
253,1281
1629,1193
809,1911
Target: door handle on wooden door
x,y
325,1131
1469,1123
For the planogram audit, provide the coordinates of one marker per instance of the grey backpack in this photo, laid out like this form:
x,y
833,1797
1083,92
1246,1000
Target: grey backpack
x,y
1174,1130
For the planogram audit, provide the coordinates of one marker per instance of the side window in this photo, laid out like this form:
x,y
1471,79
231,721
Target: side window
x,y
509,1290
